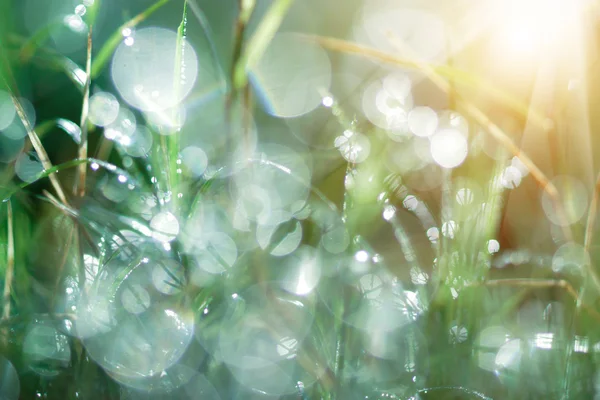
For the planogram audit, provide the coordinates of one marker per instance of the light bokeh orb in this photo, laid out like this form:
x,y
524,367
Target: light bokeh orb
x,y
353,146
301,271
165,226
104,109
168,277
386,102
144,346
195,159
28,167
10,148
7,110
409,32
45,350
212,253
135,299
145,72
422,121
292,76
9,381
281,244
16,130
570,258
574,201
449,148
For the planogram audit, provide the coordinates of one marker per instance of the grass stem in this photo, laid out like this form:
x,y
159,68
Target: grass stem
x,y
10,263
79,189
39,148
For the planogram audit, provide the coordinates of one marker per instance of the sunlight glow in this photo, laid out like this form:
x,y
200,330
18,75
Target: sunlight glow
x,y
533,25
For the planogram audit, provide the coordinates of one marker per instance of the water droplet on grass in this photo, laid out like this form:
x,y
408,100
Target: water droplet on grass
x,y
493,246
354,147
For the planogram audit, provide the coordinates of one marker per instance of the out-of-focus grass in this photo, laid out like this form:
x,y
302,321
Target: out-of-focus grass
x,y
463,290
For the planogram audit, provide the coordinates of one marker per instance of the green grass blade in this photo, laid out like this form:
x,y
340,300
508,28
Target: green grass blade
x,y
172,144
109,47
68,126
10,263
49,59
39,148
79,188
259,41
446,71
246,8
48,173
37,40
92,12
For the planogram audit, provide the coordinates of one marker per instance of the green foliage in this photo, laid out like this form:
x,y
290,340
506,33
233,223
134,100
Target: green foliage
x,y
154,280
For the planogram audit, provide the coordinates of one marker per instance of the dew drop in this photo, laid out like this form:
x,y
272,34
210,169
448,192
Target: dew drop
x,y
354,147
493,246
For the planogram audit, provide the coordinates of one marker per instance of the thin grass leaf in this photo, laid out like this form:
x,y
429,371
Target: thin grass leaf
x,y
42,35
122,276
63,64
10,263
79,188
258,43
47,58
39,148
48,173
497,133
67,126
91,12
172,142
446,71
38,39
592,213
111,44
246,8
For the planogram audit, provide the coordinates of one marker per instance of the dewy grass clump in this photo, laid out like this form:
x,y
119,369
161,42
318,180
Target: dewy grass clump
x,y
298,200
